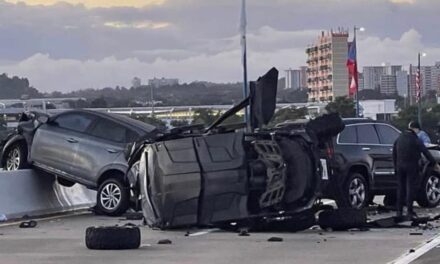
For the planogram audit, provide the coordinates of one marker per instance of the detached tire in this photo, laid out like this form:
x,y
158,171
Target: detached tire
x,y
16,157
429,193
342,219
113,197
113,237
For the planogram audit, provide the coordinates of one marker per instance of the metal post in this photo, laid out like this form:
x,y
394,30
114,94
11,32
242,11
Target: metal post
x,y
152,100
419,103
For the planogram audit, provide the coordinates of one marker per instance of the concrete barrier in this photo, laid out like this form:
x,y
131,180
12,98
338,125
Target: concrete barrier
x,y
35,193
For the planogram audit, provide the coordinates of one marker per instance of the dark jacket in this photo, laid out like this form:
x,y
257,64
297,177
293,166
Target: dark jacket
x,y
408,148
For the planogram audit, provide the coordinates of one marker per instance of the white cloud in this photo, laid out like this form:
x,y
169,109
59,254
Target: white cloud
x,y
374,51
49,74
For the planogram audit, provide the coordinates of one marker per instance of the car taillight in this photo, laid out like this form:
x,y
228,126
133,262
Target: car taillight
x,y
330,152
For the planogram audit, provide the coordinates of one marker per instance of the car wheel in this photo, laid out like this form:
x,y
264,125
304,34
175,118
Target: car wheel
x,y
355,192
429,195
113,237
16,157
113,197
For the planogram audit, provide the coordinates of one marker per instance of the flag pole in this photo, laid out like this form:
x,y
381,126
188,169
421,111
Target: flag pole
x,y
356,77
243,23
419,92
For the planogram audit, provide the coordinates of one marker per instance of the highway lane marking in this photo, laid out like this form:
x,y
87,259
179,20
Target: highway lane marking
x,y
419,251
201,233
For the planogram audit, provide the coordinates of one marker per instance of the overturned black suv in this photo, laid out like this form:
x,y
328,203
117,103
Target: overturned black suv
x,y
221,174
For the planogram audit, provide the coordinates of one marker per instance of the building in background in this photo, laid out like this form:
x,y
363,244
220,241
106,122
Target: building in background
x,y
159,82
327,74
296,79
372,76
388,84
361,81
402,83
379,109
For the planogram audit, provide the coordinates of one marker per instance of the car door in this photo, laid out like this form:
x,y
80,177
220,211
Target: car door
x,y
386,178
102,147
55,143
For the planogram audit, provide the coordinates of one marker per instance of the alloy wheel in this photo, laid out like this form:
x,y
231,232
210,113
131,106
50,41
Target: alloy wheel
x,y
433,189
110,196
13,160
356,192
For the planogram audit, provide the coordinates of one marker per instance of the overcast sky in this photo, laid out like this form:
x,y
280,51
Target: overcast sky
x,y
79,44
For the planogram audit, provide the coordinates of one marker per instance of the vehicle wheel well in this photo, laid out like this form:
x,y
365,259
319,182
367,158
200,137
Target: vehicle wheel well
x,y
19,141
361,170
113,173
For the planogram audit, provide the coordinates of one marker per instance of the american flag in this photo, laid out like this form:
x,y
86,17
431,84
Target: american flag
x,y
418,87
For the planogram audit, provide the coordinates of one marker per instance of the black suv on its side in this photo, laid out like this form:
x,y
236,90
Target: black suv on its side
x,y
362,166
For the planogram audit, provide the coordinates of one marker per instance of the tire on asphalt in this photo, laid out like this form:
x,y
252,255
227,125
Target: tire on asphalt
x,y
16,157
113,237
355,192
301,222
429,192
64,182
342,219
113,197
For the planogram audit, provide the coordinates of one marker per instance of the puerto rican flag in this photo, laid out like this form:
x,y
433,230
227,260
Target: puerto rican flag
x,y
352,68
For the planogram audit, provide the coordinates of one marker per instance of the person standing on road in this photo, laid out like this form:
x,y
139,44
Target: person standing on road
x,y
422,135
407,152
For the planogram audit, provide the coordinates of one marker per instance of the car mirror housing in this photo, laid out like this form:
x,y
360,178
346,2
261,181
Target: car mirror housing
x,y
43,119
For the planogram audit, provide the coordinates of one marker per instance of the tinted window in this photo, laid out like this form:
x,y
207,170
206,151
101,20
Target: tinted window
x,y
367,134
110,130
387,134
348,135
75,122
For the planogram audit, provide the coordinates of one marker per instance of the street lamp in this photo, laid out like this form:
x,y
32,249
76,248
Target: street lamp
x,y
419,88
361,29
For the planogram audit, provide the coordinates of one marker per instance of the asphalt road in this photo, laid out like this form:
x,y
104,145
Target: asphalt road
x,y
61,240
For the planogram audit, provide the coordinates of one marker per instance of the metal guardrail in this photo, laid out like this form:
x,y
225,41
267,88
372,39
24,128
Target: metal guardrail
x,y
34,193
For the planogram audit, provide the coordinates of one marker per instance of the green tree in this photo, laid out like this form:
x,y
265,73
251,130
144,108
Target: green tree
x,y
286,114
3,123
99,103
343,105
150,120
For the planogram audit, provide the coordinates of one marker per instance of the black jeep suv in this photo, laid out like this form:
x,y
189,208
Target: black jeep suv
x,y
362,166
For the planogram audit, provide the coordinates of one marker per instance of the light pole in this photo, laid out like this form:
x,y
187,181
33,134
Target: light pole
x,y
361,29
419,88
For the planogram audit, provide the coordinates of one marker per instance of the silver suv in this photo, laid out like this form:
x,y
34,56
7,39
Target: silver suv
x,y
79,146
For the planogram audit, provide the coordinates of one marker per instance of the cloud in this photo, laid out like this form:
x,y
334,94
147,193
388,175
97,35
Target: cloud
x,y
50,74
93,3
79,44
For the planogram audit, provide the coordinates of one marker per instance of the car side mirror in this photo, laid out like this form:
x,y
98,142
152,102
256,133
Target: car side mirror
x,y
43,119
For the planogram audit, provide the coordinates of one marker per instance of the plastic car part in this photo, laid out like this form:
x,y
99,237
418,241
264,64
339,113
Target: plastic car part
x,y
342,219
270,154
113,237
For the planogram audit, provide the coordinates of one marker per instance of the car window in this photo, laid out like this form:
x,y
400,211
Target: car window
x,y
76,122
367,134
387,134
110,130
348,135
